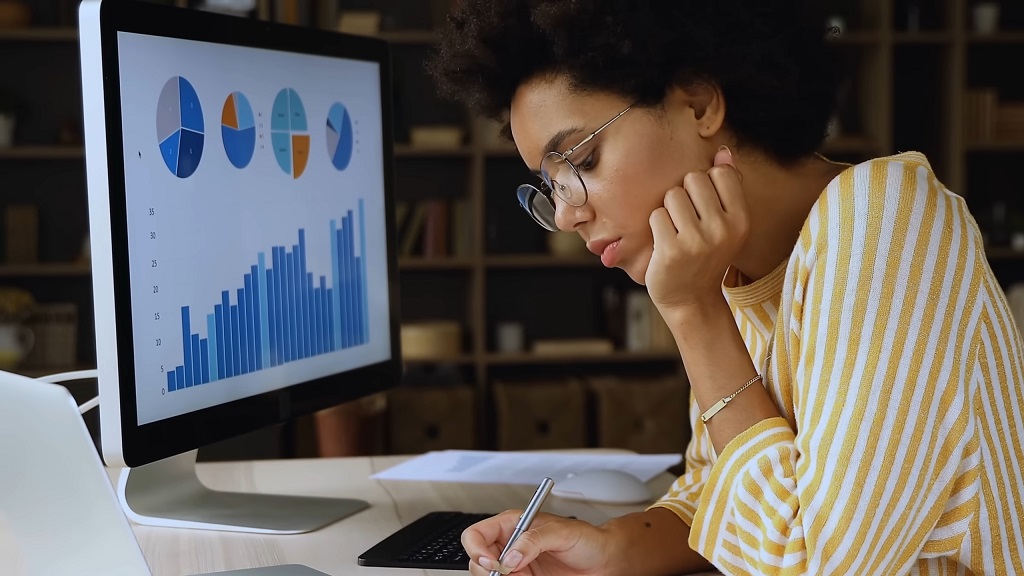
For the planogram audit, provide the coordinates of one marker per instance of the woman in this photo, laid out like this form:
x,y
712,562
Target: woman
x,y
847,312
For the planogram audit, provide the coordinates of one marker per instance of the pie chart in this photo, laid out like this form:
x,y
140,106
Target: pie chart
x,y
289,132
238,130
179,127
339,136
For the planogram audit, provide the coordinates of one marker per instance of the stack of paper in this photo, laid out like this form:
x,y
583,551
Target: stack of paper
x,y
522,467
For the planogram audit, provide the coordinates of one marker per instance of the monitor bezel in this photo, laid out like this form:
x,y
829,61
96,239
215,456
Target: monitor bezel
x,y
142,444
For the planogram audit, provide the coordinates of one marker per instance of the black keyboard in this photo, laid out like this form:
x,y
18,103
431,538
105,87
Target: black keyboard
x,y
432,542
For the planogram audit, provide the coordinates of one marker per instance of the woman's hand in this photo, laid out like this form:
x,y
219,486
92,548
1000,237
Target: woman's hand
x,y
697,234
553,546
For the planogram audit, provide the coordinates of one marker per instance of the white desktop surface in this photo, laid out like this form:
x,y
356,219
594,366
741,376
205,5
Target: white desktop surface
x,y
334,548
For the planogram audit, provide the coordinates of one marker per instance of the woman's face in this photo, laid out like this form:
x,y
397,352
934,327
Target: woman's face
x,y
627,167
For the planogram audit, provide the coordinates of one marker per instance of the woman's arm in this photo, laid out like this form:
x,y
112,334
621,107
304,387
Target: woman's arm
x,y
652,543
717,365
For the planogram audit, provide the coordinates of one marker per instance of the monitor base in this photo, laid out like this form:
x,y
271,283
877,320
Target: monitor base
x,y
168,493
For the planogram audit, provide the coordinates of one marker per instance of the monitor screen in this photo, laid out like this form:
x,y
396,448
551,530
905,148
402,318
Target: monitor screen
x,y
255,211
240,180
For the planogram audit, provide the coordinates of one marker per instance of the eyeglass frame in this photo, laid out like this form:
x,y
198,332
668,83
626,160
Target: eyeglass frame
x,y
547,190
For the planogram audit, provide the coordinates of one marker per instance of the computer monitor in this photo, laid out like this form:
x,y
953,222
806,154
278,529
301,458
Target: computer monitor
x,y
240,191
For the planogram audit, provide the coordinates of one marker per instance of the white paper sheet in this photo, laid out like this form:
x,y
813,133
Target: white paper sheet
x,y
521,467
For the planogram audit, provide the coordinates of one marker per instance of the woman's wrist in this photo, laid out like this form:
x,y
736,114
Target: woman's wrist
x,y
650,543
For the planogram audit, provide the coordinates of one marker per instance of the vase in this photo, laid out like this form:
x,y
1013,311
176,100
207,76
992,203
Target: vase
x,y
16,341
6,130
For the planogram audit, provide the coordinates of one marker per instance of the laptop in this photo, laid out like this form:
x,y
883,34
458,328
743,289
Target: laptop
x,y
58,511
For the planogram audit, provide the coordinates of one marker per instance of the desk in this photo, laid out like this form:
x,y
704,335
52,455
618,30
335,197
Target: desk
x,y
333,549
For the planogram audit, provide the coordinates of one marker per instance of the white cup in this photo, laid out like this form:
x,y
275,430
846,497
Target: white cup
x,y
986,18
510,337
6,130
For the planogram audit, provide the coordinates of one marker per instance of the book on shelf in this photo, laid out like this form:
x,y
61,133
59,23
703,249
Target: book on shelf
x,y
434,228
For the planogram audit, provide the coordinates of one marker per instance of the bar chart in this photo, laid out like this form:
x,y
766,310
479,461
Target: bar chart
x,y
281,311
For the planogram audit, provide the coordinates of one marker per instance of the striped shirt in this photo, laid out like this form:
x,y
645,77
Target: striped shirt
x,y
897,369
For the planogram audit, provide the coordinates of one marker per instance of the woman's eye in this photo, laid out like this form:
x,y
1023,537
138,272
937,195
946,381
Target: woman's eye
x,y
587,162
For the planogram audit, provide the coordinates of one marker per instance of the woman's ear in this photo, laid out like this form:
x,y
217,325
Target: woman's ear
x,y
708,106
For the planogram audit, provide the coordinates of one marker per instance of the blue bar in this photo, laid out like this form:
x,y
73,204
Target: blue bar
x,y
289,305
362,277
330,324
218,311
197,365
243,332
360,321
211,335
318,320
335,294
229,351
286,311
343,294
257,315
179,377
250,324
186,342
278,322
350,324
271,327
171,385
236,344
204,351
280,277
325,319
307,349
310,292
264,356
300,320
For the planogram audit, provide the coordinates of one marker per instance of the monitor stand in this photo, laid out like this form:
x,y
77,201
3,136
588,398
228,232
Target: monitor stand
x,y
168,493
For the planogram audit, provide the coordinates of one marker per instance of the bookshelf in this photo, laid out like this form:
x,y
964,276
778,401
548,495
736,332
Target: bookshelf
x,y
909,89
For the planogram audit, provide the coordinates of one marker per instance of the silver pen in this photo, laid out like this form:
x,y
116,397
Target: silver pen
x,y
527,517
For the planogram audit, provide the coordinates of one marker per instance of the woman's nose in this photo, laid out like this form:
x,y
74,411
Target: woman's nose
x,y
569,218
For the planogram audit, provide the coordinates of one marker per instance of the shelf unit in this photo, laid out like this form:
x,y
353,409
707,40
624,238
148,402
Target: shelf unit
x,y
880,119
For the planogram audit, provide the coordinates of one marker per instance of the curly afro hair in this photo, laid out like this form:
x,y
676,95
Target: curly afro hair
x,y
771,59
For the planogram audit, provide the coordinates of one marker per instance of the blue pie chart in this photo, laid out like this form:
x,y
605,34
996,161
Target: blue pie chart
x,y
339,136
179,127
238,130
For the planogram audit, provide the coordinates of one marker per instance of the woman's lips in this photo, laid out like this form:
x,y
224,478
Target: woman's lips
x,y
610,254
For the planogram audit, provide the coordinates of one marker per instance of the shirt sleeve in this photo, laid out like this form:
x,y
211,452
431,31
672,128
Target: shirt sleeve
x,y
880,454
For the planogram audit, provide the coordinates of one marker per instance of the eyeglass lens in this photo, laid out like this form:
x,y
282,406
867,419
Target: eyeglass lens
x,y
538,205
563,179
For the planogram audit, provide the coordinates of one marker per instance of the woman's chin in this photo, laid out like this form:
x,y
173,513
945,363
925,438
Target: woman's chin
x,y
636,266
637,271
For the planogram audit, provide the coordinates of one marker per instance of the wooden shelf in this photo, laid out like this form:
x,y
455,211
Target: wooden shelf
x,y
407,151
42,153
460,359
858,37
1003,253
996,146
44,269
424,263
617,356
540,261
502,152
930,37
1009,37
40,34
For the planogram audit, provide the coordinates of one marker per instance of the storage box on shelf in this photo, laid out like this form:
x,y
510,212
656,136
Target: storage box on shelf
x,y
538,415
421,419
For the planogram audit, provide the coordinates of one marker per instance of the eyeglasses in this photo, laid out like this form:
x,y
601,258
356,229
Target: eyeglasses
x,y
559,176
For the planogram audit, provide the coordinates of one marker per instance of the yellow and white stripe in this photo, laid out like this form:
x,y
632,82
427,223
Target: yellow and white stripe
x,y
898,371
